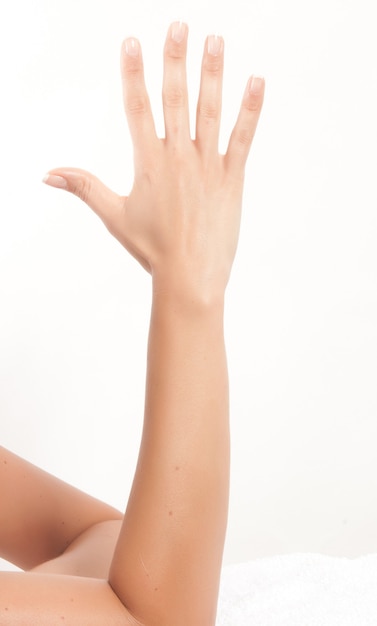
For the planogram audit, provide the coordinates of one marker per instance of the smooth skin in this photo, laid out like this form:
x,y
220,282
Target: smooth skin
x,y
160,563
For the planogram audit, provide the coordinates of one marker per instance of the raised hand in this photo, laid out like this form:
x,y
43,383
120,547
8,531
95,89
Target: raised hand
x,y
181,218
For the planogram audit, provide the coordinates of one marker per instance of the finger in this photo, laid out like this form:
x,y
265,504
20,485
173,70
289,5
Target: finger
x,y
209,103
135,97
104,202
244,130
174,87
110,207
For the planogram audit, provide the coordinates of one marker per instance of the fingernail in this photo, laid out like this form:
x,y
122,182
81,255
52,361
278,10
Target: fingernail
x,y
256,85
178,31
132,47
55,181
214,45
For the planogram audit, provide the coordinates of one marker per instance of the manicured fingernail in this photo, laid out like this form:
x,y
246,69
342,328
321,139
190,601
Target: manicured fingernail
x,y
55,181
214,45
178,31
256,85
132,47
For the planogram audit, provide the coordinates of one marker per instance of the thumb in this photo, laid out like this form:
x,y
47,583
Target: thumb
x,y
105,203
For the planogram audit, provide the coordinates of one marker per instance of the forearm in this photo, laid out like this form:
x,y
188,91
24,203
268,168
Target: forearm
x,y
176,516
186,410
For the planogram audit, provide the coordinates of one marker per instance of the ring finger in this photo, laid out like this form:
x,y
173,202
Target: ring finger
x,y
209,103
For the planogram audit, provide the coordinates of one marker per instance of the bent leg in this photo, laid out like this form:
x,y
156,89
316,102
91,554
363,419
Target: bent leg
x,y
53,600
41,515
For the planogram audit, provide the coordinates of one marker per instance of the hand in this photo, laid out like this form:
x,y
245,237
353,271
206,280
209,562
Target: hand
x,y
181,219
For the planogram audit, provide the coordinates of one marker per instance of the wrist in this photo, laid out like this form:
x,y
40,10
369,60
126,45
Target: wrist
x,y
187,292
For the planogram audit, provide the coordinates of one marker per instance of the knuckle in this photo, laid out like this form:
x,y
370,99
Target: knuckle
x,y
132,65
173,97
136,105
82,189
213,64
253,103
244,136
208,110
174,50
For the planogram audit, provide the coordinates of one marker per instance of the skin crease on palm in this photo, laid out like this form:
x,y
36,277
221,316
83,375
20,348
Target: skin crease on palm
x,y
159,563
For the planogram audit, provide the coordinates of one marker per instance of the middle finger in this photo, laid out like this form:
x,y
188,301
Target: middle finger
x,y
174,88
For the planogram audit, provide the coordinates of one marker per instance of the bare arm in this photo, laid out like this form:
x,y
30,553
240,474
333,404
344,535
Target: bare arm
x,y
171,542
181,222
41,515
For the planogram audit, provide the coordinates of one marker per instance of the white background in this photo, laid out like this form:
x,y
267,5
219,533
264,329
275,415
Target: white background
x,y
302,302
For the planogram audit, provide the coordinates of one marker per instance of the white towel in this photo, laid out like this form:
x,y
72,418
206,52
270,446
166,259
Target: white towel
x,y
299,590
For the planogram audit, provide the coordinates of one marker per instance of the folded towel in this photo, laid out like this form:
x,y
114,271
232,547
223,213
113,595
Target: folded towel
x,y
299,590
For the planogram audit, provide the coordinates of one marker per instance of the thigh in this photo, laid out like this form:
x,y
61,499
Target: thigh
x,y
40,515
52,600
